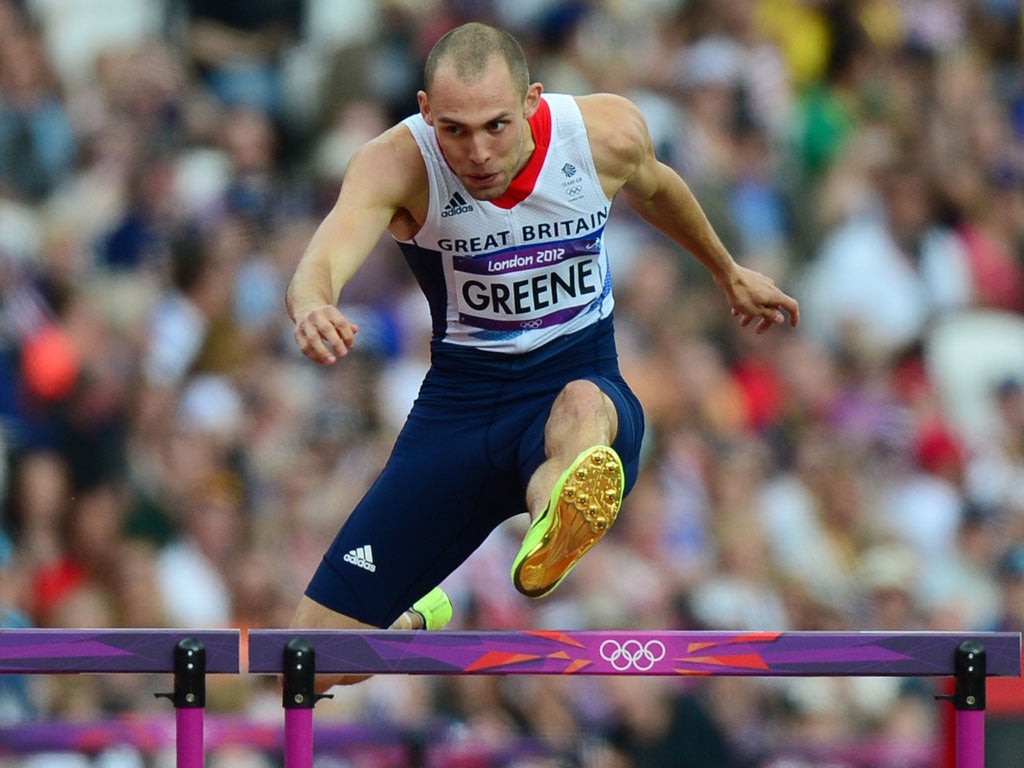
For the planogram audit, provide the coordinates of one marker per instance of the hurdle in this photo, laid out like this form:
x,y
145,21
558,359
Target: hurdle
x,y
967,658
189,655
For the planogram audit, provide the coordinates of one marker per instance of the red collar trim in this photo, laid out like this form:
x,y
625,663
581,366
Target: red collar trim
x,y
524,182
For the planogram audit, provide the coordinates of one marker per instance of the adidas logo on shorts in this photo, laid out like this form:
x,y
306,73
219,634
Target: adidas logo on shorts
x,y
455,206
361,557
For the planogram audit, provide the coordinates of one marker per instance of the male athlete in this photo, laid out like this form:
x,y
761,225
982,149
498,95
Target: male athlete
x,y
497,196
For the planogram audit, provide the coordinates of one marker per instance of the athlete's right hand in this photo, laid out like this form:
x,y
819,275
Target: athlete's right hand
x,y
324,334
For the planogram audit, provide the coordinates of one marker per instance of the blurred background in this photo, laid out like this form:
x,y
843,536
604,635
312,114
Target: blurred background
x,y
169,459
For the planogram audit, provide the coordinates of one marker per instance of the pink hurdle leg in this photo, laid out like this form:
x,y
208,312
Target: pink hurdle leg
x,y
971,667
298,698
189,737
970,738
189,698
298,738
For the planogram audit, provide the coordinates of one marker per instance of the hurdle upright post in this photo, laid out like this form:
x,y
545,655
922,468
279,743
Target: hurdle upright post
x,y
970,669
298,698
189,699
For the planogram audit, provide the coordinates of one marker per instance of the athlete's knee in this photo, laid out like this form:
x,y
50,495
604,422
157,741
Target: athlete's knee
x,y
312,615
581,398
581,403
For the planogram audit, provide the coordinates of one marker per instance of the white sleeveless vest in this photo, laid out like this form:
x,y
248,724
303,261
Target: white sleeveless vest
x,y
510,279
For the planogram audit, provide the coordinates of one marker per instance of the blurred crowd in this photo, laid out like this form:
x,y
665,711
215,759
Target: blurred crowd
x,y
170,460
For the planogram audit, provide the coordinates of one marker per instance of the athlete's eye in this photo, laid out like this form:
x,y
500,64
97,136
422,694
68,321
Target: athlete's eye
x,y
453,130
496,125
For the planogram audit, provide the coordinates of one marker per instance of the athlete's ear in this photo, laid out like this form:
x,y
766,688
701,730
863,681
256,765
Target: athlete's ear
x,y
532,100
421,98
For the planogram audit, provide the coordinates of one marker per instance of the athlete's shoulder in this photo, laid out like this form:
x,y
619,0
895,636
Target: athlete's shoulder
x,y
614,123
617,132
390,163
395,149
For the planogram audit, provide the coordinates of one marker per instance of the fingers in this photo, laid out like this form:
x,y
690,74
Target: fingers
x,y
757,300
766,321
769,316
771,311
791,306
324,334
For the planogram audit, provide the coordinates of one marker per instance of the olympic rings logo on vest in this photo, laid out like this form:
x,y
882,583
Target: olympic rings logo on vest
x,y
632,654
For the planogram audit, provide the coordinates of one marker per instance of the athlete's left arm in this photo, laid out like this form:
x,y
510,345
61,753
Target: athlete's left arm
x,y
624,154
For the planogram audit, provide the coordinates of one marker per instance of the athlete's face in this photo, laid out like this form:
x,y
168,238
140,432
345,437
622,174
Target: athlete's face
x,y
481,126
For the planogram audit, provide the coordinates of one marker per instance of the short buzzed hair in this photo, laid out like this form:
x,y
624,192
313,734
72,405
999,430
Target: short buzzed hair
x,y
470,48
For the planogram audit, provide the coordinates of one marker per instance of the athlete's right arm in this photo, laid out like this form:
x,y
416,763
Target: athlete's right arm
x,y
379,182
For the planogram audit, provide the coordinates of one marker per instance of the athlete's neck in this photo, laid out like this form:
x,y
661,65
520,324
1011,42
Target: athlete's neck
x,y
530,146
526,174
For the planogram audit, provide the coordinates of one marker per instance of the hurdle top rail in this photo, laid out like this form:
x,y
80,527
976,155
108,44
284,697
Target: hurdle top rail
x,y
70,651
968,658
772,654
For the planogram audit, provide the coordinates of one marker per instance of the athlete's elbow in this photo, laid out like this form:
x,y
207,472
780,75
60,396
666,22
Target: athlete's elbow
x,y
645,205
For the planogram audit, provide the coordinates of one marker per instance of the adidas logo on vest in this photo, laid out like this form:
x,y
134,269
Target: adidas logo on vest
x,y
361,557
455,206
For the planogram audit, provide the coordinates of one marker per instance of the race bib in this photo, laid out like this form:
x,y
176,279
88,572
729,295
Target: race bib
x,y
529,287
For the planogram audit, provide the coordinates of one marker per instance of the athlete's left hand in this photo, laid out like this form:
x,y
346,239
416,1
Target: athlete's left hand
x,y
755,298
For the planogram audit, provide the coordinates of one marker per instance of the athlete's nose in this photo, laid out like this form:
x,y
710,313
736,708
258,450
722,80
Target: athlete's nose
x,y
479,152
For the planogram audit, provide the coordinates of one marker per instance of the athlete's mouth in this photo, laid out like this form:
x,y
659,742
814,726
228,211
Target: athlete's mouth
x,y
484,179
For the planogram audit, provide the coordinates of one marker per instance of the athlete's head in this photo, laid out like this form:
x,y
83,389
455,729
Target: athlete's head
x,y
478,98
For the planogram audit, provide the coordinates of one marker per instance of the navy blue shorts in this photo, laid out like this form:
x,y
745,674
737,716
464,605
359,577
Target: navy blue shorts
x,y
460,467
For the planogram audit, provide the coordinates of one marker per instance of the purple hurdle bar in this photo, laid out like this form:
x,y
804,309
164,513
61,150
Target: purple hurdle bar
x,y
188,655
968,657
